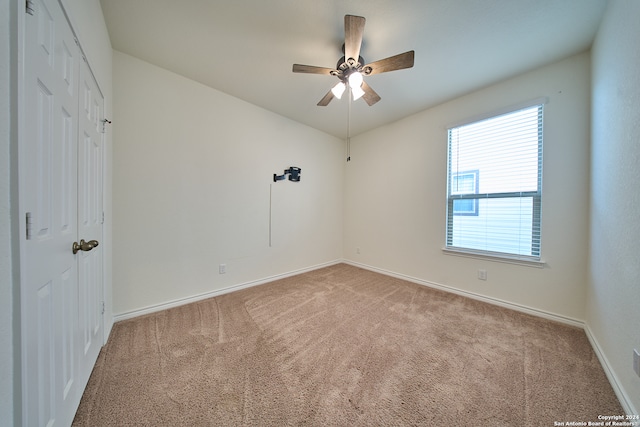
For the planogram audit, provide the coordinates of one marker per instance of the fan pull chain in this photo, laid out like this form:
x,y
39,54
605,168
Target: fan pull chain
x,y
349,127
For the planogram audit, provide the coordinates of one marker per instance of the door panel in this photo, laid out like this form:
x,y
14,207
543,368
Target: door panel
x,y
45,330
42,217
68,339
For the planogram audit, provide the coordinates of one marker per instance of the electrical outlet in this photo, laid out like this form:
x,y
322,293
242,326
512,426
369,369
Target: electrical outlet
x,y
482,274
636,361
222,268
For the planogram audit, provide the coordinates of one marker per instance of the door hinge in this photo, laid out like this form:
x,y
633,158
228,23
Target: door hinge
x,y
102,218
29,227
102,307
29,7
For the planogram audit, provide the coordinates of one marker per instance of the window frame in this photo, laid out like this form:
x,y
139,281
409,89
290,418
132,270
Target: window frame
x,y
535,259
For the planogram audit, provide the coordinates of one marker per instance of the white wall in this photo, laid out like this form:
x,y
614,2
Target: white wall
x,y
613,316
395,194
194,168
8,285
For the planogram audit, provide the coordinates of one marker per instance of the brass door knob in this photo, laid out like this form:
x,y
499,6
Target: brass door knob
x,y
84,246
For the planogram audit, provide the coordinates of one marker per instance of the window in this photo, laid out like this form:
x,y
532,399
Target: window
x,y
465,183
494,185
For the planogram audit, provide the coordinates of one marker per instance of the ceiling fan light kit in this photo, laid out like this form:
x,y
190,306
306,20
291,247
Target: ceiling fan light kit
x,y
350,71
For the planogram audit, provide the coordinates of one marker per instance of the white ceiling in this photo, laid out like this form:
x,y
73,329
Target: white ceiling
x,y
246,48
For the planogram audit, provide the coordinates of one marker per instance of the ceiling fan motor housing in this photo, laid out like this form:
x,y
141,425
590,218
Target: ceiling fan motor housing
x,y
347,67
343,63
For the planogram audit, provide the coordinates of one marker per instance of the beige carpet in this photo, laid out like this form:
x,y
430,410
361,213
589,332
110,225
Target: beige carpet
x,y
342,346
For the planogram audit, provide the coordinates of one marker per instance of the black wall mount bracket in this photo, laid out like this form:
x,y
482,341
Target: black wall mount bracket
x,y
293,172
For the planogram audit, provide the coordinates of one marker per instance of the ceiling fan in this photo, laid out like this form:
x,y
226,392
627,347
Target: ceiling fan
x,y
351,68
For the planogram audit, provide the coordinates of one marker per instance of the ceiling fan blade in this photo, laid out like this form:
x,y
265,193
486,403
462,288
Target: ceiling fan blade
x,y
326,100
310,69
397,62
353,29
370,95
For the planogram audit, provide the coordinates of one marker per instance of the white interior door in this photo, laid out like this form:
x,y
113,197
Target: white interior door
x,y
90,218
49,197
61,292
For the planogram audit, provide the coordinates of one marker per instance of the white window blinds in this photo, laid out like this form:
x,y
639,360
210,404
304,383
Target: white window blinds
x,y
495,183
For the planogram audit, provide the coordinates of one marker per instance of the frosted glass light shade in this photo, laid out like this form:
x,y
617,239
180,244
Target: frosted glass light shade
x,y
338,90
355,83
357,92
355,80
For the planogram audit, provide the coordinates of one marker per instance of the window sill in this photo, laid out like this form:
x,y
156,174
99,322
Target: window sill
x,y
494,256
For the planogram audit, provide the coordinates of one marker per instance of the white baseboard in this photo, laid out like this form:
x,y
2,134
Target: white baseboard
x,y
182,301
622,396
472,295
